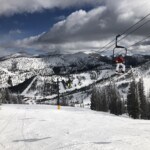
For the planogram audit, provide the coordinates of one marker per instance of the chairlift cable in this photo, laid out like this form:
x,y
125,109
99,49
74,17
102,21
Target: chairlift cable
x,y
139,41
127,31
134,30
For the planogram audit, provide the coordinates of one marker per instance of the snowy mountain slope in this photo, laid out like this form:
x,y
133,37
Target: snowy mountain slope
x,y
22,66
39,127
82,69
29,63
6,71
81,82
19,88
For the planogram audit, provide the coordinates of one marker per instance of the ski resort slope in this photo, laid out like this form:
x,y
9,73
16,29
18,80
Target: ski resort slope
x,y
39,127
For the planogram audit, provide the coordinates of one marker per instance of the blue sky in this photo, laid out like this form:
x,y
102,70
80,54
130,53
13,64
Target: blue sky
x,y
20,26
31,24
68,26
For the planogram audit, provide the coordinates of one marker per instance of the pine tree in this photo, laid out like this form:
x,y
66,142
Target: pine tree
x,y
14,66
148,116
143,101
1,96
120,107
132,101
115,103
99,100
102,98
10,81
93,99
105,101
107,98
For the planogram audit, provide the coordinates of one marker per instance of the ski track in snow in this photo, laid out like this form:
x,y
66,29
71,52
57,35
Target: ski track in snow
x,y
26,90
41,127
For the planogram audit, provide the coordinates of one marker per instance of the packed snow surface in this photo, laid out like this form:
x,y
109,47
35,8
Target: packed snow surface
x,y
41,127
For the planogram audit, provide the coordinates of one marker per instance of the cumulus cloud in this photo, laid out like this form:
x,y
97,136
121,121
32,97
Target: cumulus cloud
x,y
76,27
98,25
84,30
20,6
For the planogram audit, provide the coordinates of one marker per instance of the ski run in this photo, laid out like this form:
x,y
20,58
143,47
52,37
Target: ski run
x,y
44,127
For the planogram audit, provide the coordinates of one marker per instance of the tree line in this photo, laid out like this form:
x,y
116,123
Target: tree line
x,y
109,99
7,97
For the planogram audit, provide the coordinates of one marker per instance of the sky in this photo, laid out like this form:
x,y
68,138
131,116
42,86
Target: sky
x,y
69,26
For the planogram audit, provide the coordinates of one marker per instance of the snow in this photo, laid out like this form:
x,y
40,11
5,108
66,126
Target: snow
x,y
6,71
29,86
43,127
146,85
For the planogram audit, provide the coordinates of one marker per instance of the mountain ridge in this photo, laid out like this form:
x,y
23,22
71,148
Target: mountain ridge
x,y
84,70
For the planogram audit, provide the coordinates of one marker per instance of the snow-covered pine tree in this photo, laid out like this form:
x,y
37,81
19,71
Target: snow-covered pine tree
x,y
14,66
99,99
103,102
93,99
107,98
1,97
115,103
142,99
148,101
133,101
148,116
112,100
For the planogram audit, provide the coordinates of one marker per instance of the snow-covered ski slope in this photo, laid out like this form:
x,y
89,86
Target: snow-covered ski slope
x,y
39,127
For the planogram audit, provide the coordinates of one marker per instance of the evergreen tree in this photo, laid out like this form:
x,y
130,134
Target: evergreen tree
x,y
93,99
148,104
120,107
107,98
10,81
143,101
132,101
99,100
115,103
1,96
148,116
7,97
14,66
102,99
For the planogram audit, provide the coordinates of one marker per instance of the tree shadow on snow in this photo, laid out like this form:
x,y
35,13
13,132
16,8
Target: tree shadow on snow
x,y
32,140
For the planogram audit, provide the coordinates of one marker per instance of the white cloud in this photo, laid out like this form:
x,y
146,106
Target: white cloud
x,y
76,27
19,6
91,30
4,52
98,25
17,31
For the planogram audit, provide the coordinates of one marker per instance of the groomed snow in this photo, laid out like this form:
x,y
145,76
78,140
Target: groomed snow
x,y
41,127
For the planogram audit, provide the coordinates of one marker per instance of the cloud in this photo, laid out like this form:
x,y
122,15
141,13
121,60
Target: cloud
x,y
5,52
13,32
91,30
76,27
29,6
98,25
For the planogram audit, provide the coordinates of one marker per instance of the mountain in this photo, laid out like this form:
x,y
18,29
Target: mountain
x,y
35,77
